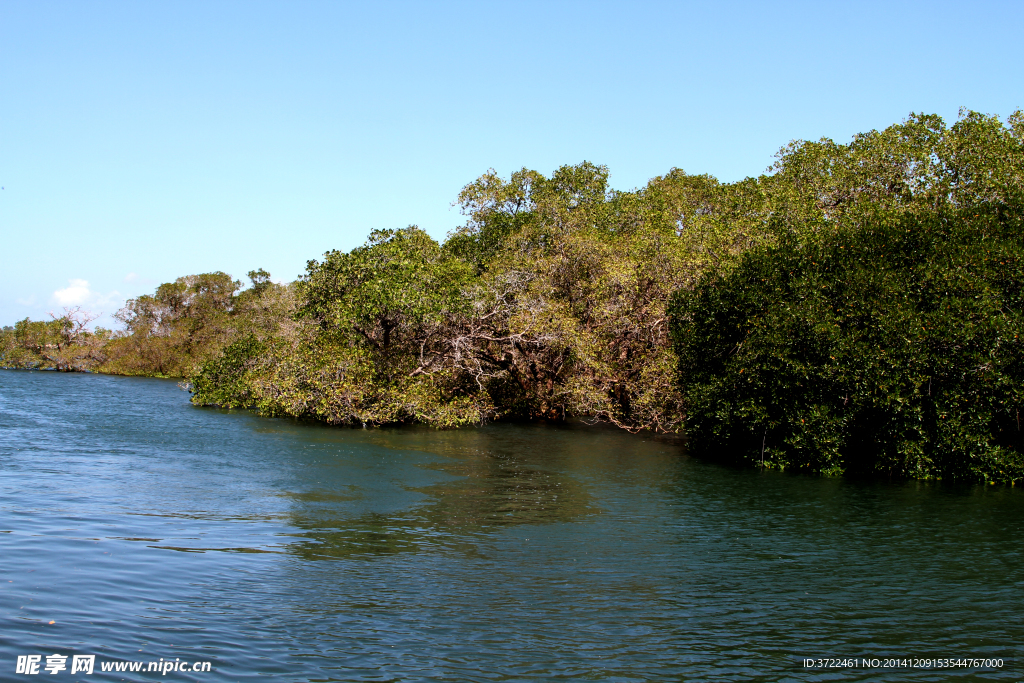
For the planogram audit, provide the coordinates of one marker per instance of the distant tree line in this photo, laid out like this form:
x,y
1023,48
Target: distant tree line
x,y
170,333
854,310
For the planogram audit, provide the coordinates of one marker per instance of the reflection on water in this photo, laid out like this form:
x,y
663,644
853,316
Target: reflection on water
x,y
482,482
143,527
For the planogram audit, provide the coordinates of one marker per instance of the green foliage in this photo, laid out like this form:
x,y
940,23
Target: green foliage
x,y
917,167
25,344
188,321
167,334
368,344
183,322
553,301
260,281
224,380
877,335
498,210
892,349
548,303
574,280
385,293
63,343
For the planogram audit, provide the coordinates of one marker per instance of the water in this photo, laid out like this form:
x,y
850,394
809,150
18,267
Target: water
x,y
146,528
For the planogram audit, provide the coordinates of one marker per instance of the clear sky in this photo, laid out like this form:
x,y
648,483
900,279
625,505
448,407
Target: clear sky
x,y
141,141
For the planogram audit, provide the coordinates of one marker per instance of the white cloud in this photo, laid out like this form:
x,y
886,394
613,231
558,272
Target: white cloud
x,y
30,301
78,293
130,276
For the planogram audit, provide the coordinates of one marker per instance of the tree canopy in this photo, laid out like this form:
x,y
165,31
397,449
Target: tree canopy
x,y
892,350
877,332
847,272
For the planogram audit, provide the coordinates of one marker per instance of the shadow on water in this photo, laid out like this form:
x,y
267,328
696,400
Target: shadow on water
x,y
478,480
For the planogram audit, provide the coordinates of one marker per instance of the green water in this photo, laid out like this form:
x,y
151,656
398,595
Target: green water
x,y
146,528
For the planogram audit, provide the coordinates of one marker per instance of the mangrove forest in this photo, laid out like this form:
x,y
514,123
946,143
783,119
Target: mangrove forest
x,y
855,310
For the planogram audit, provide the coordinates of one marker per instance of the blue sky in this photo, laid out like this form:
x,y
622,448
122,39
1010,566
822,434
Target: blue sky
x,y
141,141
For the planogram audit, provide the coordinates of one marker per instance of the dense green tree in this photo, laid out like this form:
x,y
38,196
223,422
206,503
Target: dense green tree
x,y
888,350
918,166
63,343
582,274
371,342
168,332
875,330
552,301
